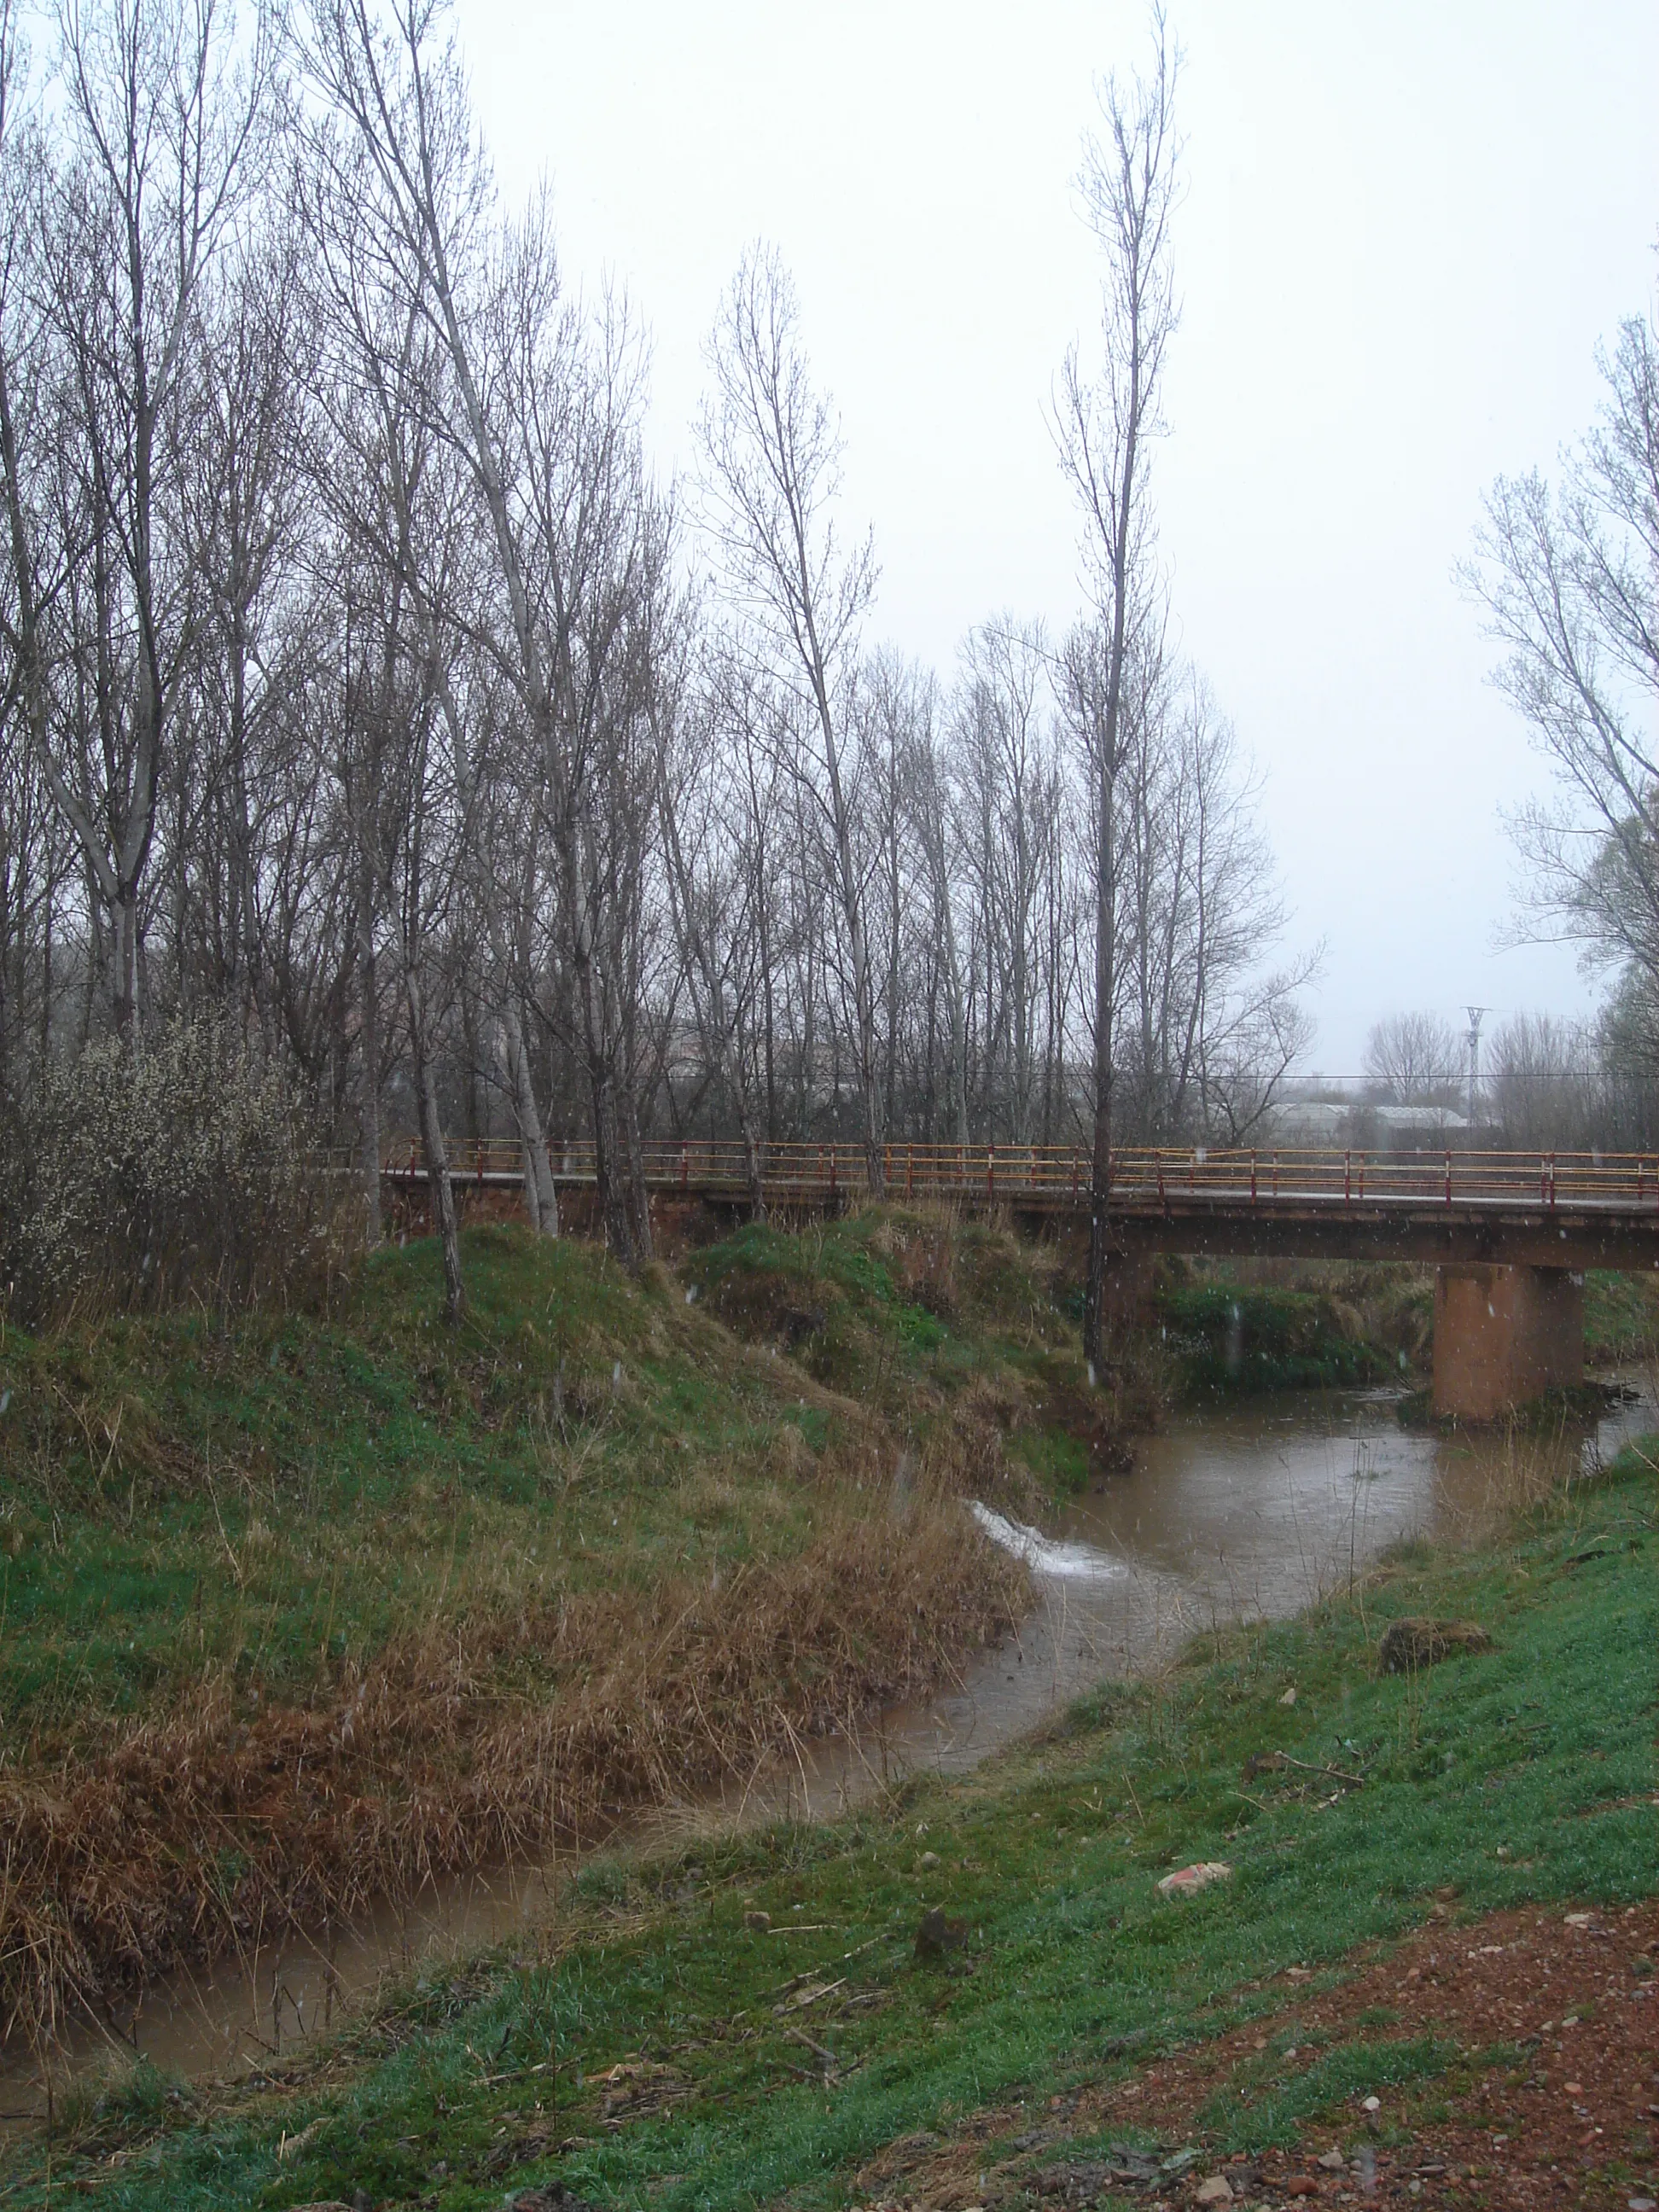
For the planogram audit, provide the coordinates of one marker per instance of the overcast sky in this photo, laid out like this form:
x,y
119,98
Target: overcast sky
x,y
1403,232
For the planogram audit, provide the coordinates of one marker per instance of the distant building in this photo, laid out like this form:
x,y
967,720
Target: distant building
x,y
1416,1124
1313,1124
1308,1123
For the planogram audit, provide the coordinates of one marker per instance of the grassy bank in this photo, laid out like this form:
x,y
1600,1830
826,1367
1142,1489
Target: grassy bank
x,y
1621,1318
300,1607
667,2050
1230,1339
1232,1328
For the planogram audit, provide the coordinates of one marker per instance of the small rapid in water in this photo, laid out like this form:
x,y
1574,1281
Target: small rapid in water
x,y
1049,1556
1250,1510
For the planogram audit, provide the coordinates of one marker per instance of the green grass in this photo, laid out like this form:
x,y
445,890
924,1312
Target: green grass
x,y
1074,1970
895,1304
1621,1318
280,1495
381,1590
286,1493
1280,2101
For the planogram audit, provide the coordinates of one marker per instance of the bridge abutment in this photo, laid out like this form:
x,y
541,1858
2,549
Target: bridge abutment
x,y
1505,1335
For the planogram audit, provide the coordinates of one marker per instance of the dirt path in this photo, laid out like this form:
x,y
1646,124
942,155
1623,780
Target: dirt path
x,y
1545,2091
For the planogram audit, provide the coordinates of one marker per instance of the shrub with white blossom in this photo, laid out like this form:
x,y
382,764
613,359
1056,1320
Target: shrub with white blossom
x,y
139,1175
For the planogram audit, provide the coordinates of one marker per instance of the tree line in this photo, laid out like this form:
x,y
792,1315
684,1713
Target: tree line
x,y
367,690
1532,1083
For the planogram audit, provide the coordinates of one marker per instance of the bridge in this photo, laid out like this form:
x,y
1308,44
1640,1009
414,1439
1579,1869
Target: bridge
x,y
1509,1233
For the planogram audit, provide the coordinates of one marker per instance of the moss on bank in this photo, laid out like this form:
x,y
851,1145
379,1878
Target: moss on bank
x,y
279,1496
899,1308
1621,1318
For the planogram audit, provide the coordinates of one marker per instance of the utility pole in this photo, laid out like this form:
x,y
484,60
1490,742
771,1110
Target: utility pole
x,y
1475,1012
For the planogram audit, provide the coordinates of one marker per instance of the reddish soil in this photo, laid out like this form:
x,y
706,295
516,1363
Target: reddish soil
x,y
1565,2113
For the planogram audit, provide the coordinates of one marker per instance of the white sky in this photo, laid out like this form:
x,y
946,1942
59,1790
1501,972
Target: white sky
x,y
1404,231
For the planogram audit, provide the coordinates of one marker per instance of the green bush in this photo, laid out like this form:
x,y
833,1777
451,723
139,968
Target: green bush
x,y
1230,1338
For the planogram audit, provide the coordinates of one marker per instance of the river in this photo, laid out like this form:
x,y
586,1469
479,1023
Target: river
x,y
1254,1509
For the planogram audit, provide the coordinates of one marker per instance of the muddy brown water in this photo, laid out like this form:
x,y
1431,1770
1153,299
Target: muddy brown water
x,y
1247,1511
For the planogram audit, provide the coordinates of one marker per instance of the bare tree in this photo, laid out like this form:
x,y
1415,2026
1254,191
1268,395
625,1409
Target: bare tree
x,y
349,682
405,829
1547,1080
1415,1058
710,751
1569,577
1004,746
1104,425
500,815
772,448
30,871
548,423
241,502
1220,1019
395,488
928,779
165,107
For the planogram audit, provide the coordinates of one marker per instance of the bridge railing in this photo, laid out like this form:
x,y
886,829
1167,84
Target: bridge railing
x,y
722,1164
1166,1175
1143,1177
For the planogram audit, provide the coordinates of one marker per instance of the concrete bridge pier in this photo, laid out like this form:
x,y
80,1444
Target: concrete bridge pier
x,y
1503,1335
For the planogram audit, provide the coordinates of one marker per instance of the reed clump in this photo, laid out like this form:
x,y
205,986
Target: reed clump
x,y
206,1828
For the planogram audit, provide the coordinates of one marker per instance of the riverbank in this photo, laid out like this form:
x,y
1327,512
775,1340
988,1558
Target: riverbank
x,y
304,1608
753,2020
305,1611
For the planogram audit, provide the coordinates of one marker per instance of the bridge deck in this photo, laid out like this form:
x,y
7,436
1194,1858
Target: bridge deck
x,y
1141,1175
1560,1209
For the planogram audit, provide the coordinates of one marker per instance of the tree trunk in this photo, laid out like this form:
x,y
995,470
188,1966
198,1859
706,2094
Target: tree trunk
x,y
875,1174
123,916
437,1161
541,1196
753,1166
369,1149
637,1194
770,1028
608,1179
1100,1180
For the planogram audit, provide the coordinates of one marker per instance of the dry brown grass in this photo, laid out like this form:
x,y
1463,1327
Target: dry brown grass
x,y
924,1255
967,1457
202,1831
